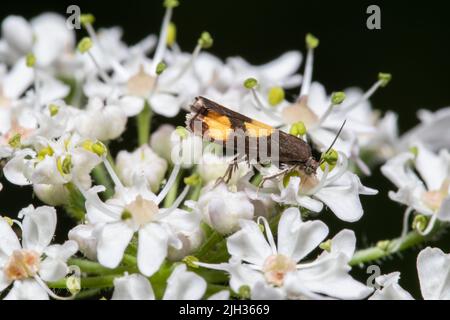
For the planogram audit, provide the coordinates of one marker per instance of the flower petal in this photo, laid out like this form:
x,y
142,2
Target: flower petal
x,y
165,104
152,248
8,241
113,239
296,238
132,287
433,267
249,244
38,227
27,289
184,285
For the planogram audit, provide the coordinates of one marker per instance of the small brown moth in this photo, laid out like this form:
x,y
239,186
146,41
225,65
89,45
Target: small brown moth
x,y
221,125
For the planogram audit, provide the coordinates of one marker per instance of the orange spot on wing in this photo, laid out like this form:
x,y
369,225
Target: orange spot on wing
x,y
219,126
258,129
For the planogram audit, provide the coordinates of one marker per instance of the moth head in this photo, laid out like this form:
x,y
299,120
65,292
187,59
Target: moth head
x,y
311,166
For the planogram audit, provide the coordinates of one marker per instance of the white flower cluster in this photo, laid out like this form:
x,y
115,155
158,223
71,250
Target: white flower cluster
x,y
157,222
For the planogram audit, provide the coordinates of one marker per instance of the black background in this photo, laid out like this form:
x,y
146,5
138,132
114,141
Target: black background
x,y
413,45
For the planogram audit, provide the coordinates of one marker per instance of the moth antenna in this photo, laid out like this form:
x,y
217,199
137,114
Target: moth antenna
x,y
335,139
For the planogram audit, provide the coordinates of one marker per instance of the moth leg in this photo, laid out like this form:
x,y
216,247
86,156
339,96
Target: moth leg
x,y
276,175
232,167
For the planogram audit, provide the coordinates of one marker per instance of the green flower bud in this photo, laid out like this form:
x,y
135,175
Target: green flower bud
x,y
191,261
30,60
160,68
311,41
420,223
250,83
193,180
14,141
326,245
171,34
337,97
275,96
87,18
298,129
84,45
385,78
53,109
205,40
171,4
244,292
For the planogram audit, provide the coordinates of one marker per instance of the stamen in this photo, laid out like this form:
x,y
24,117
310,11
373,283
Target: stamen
x,y
311,43
169,184
269,234
112,174
336,99
50,292
383,80
262,107
162,41
175,205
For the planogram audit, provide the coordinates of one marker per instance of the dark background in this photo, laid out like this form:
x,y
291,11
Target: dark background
x,y
413,45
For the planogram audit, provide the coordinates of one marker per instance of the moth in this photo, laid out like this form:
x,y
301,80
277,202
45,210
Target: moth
x,y
247,137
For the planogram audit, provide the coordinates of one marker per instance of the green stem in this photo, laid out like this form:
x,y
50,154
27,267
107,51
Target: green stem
x,y
143,124
89,293
208,245
88,283
96,268
101,177
393,246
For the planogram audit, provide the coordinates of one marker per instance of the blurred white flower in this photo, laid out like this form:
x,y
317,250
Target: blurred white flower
x,y
222,209
275,271
28,265
144,162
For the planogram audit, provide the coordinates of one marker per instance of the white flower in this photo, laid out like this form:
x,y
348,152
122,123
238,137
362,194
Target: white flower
x,y
160,141
222,209
84,235
29,264
181,285
339,190
100,121
142,161
212,167
275,271
136,210
426,191
433,267
432,131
